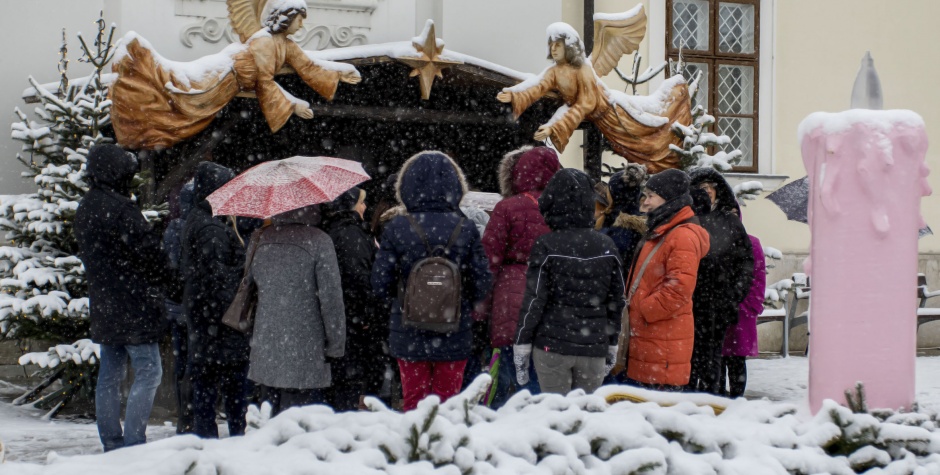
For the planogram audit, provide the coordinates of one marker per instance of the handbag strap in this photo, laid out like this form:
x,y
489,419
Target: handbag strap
x,y
253,245
639,274
529,196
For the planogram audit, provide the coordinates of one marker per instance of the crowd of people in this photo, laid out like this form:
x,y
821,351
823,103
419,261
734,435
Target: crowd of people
x,y
567,283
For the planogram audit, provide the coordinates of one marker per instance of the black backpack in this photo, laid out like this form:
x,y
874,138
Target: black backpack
x,y
431,295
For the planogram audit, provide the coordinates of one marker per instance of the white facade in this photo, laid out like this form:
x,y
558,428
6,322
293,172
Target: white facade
x,y
810,51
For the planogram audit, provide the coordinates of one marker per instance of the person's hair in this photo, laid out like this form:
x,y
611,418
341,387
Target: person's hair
x,y
279,20
574,55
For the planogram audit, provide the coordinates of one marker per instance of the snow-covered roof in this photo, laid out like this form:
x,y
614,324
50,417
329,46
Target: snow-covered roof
x,y
405,49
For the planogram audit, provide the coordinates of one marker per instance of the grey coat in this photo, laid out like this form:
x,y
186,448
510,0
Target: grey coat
x,y
300,319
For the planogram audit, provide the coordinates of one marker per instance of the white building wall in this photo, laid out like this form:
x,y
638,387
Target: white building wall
x,y
31,34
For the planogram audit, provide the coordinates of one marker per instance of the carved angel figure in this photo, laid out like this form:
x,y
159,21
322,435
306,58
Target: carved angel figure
x,y
157,103
636,128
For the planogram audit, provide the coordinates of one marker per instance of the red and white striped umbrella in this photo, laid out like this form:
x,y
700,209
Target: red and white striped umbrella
x,y
271,188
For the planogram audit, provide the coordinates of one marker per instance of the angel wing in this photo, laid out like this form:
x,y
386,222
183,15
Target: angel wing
x,y
245,16
614,36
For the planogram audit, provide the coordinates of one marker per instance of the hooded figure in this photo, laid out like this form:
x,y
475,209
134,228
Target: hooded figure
x,y
212,260
177,319
126,271
724,276
124,263
624,223
430,186
741,339
300,319
662,329
513,228
571,310
362,366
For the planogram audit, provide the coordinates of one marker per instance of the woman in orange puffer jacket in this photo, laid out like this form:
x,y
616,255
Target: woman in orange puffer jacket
x,y
662,329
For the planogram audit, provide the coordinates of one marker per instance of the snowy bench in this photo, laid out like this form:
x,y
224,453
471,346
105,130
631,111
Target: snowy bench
x,y
801,291
925,314
790,293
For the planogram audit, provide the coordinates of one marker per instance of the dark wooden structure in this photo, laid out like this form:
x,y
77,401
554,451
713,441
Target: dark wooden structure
x,y
380,122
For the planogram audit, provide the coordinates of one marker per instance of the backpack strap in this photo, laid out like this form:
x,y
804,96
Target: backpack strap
x,y
456,234
420,232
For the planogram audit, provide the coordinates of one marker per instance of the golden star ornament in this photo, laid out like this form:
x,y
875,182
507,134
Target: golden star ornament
x,y
429,64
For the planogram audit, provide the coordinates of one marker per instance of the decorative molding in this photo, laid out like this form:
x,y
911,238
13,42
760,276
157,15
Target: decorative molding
x,y
329,37
318,37
208,8
211,30
358,6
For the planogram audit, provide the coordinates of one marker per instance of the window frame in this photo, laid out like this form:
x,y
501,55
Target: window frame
x,y
714,59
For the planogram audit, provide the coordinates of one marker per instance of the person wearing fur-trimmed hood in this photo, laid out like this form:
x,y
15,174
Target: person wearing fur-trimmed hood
x,y
623,221
430,186
513,228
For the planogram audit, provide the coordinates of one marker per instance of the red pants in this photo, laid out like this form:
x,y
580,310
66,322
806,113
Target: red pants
x,y
419,379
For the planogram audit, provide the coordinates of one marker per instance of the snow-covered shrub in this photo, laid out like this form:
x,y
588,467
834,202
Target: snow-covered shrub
x,y
544,434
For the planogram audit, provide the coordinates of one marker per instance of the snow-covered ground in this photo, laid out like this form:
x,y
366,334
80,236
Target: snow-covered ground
x,y
786,379
29,439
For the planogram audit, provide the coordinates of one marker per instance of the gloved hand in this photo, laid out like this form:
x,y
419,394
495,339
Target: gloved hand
x,y
611,359
520,358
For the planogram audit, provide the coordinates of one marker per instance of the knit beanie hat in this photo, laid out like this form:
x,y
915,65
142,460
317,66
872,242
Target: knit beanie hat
x,y
669,184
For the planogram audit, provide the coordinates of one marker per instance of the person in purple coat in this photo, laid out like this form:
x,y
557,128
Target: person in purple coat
x,y
741,339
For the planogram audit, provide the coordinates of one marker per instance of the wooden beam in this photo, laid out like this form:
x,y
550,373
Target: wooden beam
x,y
401,114
588,27
593,142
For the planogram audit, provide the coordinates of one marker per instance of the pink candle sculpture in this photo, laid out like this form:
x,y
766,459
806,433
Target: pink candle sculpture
x,y
867,175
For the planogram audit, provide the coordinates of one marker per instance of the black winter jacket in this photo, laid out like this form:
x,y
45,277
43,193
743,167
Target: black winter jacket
x,y
574,284
355,253
725,273
125,266
212,262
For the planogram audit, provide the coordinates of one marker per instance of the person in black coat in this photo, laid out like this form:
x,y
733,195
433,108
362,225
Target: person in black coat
x,y
430,186
724,275
212,261
126,271
571,311
361,369
175,317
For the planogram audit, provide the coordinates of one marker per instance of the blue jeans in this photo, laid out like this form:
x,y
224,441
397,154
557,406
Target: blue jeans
x,y
506,384
145,359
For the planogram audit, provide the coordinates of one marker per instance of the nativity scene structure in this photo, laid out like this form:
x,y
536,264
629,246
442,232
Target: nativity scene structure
x,y
235,107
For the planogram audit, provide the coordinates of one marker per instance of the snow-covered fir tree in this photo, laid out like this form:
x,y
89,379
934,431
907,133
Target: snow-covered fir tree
x,y
43,292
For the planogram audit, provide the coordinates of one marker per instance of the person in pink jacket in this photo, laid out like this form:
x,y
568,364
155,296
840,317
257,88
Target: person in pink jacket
x,y
513,227
741,339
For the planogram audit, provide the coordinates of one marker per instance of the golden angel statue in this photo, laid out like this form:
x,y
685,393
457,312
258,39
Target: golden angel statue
x,y
157,103
637,128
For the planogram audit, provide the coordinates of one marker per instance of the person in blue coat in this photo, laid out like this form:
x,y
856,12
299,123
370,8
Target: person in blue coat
x,y
430,186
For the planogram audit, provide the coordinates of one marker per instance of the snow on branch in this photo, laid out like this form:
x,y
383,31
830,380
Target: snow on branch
x,y
81,352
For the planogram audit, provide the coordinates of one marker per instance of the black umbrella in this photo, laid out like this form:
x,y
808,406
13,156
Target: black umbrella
x,y
793,200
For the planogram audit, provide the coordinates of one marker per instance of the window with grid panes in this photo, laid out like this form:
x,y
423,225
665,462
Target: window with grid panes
x,y
720,39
